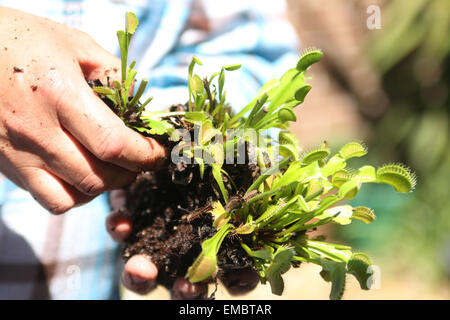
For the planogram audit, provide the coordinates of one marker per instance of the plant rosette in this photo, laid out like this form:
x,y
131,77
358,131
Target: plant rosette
x,y
234,197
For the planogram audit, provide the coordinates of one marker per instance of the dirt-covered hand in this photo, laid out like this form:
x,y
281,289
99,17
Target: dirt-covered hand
x,y
58,140
140,273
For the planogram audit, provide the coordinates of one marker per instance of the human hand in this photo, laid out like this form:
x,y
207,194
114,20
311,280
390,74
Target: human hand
x,y
140,273
58,140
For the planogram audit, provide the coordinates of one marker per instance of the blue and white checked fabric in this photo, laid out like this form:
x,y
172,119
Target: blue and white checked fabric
x,y
71,256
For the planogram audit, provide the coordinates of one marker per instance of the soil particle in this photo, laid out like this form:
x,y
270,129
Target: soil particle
x,y
18,70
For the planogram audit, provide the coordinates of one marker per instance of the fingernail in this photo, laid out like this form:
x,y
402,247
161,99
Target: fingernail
x,y
118,225
183,289
137,284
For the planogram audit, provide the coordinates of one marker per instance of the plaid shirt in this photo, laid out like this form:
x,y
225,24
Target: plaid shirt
x,y
71,256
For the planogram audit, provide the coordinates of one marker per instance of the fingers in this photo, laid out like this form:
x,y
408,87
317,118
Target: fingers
x,y
118,199
66,158
51,192
139,274
98,63
183,289
240,282
105,135
118,225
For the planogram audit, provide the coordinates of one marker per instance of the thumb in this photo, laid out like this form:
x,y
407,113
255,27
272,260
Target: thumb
x,y
98,63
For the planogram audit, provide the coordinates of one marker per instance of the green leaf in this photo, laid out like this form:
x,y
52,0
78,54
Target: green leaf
x,y
247,228
358,265
334,164
276,284
398,176
301,93
264,254
267,89
221,83
315,155
296,172
364,214
349,189
288,138
206,263
104,90
308,58
325,203
232,67
146,102
131,22
123,44
275,211
340,177
286,114
341,214
334,272
287,151
192,64
218,177
255,115
131,74
158,127
285,91
352,150
331,251
337,283
196,116
281,263
139,93
264,175
196,85
366,174
194,61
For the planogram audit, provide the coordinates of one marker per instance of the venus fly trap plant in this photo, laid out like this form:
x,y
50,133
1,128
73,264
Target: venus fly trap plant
x,y
244,199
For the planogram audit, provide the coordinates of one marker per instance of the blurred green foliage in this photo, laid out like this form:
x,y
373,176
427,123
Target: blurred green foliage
x,y
412,53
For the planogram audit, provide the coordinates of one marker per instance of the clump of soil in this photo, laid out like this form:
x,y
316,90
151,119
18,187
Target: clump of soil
x,y
161,204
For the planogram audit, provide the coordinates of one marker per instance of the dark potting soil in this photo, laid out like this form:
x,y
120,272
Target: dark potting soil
x,y
159,209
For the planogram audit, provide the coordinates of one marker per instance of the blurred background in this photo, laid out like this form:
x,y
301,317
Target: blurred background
x,y
386,82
